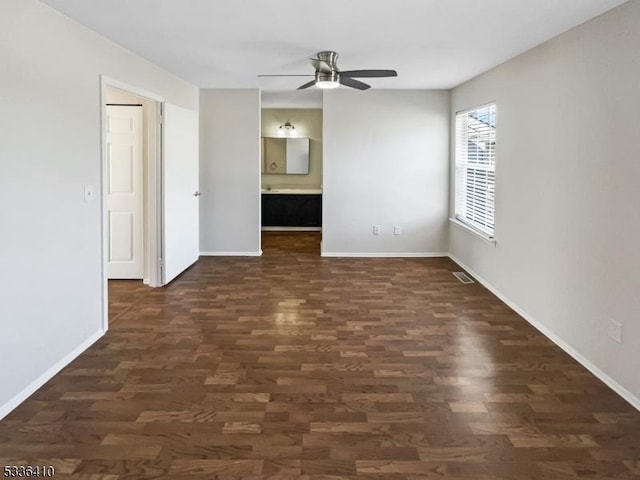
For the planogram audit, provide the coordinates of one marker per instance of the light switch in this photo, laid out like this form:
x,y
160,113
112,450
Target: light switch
x,y
89,193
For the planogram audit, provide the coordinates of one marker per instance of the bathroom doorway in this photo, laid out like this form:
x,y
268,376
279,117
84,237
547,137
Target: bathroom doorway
x,y
291,172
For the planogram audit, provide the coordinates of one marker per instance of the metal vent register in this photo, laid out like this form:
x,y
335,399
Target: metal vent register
x,y
463,277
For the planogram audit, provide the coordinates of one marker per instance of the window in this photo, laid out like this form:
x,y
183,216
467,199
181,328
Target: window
x,y
475,168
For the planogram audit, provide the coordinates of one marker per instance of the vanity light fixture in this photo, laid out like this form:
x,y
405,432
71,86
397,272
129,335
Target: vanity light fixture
x,y
287,130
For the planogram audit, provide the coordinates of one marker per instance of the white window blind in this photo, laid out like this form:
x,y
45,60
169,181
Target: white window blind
x,y
475,168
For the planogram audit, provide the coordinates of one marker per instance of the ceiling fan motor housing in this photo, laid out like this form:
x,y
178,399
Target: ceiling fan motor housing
x,y
333,77
329,57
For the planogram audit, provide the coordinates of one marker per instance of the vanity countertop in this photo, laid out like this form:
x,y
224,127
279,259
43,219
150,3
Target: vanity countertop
x,y
293,191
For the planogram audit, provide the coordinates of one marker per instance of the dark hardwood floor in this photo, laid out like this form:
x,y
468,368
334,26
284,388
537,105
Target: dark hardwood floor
x,y
291,366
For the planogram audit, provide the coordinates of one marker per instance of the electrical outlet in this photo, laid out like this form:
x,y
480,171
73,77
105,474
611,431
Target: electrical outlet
x,y
614,330
376,229
397,230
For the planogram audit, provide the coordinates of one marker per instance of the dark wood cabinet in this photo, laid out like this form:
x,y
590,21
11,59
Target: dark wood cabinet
x,y
291,210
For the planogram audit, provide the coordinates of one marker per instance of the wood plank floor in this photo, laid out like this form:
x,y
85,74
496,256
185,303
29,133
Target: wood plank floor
x,y
291,366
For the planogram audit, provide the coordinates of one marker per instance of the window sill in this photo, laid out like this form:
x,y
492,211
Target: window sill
x,y
482,236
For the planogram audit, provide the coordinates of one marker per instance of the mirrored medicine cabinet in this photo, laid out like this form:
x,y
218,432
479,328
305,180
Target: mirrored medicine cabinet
x,y
285,156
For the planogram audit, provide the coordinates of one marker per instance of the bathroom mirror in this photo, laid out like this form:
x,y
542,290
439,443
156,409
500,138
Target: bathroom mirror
x,y
285,156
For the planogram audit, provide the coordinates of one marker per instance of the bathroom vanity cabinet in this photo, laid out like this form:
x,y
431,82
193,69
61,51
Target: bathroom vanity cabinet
x,y
291,209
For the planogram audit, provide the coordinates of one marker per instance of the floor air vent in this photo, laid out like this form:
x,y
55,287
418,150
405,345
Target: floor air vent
x,y
463,277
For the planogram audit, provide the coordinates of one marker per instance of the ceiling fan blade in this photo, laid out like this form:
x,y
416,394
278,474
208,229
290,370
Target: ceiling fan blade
x,y
353,83
369,73
307,85
320,65
285,75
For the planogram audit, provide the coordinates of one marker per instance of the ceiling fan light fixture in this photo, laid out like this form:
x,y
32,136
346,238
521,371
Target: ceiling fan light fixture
x,y
327,80
329,76
324,84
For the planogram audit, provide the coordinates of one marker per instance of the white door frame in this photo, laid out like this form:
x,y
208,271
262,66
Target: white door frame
x,y
153,190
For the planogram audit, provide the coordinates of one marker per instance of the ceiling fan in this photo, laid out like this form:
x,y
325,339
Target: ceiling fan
x,y
329,76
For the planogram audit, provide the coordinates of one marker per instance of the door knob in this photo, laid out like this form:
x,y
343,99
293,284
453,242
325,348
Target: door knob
x,y
197,194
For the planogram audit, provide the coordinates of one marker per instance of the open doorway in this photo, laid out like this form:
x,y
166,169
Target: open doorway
x,y
128,131
131,196
168,204
291,177
131,191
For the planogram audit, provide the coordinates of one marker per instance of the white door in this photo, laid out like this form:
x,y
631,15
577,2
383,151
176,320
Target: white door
x,y
181,234
124,194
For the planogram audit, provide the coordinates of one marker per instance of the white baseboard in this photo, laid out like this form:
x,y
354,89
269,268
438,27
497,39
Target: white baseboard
x,y
231,254
384,254
291,229
48,375
610,382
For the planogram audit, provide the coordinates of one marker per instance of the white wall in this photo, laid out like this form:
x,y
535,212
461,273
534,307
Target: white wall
x,y
50,252
385,162
230,171
567,169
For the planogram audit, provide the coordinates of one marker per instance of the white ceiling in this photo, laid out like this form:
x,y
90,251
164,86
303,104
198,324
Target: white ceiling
x,y
431,43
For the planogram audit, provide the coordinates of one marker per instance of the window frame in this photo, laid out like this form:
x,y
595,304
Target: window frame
x,y
458,218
